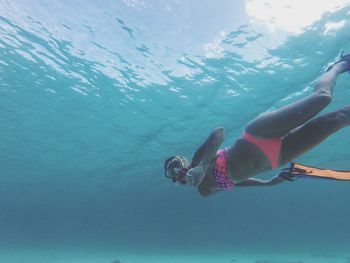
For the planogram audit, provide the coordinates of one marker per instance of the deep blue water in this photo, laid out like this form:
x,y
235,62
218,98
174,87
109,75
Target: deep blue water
x,y
94,97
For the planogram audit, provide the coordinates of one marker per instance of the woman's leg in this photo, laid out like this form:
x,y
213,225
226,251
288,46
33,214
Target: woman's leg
x,y
279,122
303,138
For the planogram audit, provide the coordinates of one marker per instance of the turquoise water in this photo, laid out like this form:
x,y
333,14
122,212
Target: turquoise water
x,y
94,97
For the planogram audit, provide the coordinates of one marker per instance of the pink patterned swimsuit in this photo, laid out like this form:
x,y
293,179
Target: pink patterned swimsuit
x,y
220,173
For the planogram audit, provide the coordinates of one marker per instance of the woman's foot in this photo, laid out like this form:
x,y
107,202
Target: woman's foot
x,y
342,64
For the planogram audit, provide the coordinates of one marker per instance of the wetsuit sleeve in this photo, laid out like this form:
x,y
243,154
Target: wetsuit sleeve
x,y
208,149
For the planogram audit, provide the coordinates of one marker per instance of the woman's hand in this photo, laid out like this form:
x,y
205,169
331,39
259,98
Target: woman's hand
x,y
195,175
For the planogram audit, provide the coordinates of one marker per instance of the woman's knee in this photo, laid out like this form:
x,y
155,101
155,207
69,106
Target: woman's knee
x,y
339,118
343,115
323,97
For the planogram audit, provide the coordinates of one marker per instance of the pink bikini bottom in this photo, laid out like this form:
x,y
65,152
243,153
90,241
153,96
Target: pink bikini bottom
x,y
271,147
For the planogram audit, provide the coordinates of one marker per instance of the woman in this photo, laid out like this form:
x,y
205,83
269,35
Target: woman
x,y
273,139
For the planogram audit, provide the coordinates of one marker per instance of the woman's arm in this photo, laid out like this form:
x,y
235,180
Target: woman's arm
x,y
206,191
259,182
208,149
198,155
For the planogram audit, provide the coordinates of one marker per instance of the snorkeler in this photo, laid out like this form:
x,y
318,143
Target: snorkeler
x,y
271,140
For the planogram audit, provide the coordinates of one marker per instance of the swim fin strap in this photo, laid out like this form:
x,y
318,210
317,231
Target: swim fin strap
x,y
304,171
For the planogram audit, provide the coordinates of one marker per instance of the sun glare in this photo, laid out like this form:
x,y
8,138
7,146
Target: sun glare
x,y
290,15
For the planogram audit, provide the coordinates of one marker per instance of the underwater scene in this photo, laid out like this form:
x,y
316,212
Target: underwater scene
x,y
95,96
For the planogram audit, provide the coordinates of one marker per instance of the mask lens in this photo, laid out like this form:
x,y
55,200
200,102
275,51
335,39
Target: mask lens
x,y
176,163
170,173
